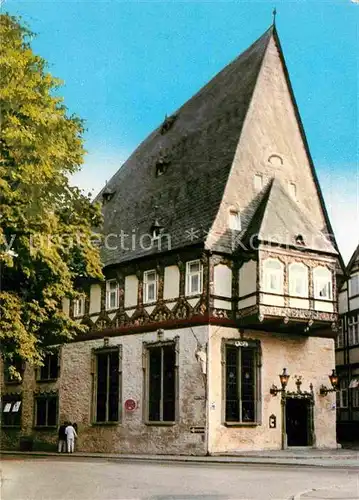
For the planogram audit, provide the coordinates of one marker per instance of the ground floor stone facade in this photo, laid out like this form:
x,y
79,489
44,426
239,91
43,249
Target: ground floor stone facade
x,y
191,391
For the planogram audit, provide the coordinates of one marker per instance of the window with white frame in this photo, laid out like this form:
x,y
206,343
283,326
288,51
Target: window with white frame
x,y
79,306
258,182
354,286
342,394
353,330
323,283
340,337
149,286
273,274
234,220
112,294
298,280
193,277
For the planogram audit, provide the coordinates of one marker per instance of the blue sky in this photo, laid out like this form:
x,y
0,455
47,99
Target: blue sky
x,y
127,64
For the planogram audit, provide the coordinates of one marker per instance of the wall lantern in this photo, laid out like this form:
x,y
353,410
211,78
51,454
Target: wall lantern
x,y
283,377
333,377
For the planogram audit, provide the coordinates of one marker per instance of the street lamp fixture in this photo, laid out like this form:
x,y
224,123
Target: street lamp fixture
x,y
333,377
283,377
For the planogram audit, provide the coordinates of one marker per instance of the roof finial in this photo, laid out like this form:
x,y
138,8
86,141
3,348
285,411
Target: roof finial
x,y
274,15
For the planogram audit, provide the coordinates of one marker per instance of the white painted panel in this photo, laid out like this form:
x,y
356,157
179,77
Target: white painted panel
x,y
131,290
112,315
249,301
66,306
171,282
222,304
272,300
343,302
150,309
130,312
354,304
193,302
320,305
299,303
222,280
354,355
171,305
248,278
95,299
95,318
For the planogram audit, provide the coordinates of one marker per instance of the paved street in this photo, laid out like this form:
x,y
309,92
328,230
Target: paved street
x,y
76,478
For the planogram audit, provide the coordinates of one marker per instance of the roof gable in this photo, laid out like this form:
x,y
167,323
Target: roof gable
x,y
196,146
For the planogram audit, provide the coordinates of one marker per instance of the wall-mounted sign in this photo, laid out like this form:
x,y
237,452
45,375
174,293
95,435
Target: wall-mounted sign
x,y
197,430
130,405
241,343
272,422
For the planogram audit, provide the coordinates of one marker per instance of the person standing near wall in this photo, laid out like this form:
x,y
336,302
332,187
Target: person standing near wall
x,y
70,438
62,438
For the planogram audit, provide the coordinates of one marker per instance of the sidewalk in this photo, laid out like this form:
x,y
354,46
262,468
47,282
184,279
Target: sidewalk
x,y
311,458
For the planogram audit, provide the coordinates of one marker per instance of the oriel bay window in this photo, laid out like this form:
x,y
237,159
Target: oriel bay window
x,y
161,382
46,409
242,381
107,385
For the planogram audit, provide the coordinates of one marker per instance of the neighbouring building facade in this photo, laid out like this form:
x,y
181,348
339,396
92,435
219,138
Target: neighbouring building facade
x,y
347,353
219,274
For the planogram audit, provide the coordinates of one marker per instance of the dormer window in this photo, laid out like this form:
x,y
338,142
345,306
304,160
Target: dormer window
x,y
323,283
156,230
299,240
107,195
273,274
234,221
167,123
149,286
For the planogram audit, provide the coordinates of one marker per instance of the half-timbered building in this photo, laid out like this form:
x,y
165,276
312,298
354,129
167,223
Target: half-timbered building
x,y
220,272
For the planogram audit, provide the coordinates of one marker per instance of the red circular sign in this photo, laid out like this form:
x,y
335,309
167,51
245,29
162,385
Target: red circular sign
x,y
130,404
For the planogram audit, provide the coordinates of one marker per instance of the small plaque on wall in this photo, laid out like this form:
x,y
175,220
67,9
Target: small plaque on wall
x,y
272,422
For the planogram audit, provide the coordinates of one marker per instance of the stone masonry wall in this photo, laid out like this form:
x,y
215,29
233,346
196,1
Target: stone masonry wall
x,y
310,357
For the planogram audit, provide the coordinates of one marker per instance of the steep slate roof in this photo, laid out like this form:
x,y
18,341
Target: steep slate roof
x,y
279,220
353,265
197,150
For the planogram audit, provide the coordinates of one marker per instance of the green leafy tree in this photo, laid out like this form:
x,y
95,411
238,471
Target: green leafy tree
x,y
45,224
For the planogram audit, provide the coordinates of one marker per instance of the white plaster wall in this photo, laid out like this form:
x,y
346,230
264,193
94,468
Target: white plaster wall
x,y
312,357
222,280
171,282
354,304
272,300
222,304
95,299
131,290
248,278
299,303
249,301
320,305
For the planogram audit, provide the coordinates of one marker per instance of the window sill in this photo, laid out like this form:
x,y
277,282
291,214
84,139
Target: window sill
x,y
106,424
111,309
160,424
241,424
13,382
45,427
46,380
11,427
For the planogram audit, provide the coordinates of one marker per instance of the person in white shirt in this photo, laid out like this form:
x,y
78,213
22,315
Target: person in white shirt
x,y
70,438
